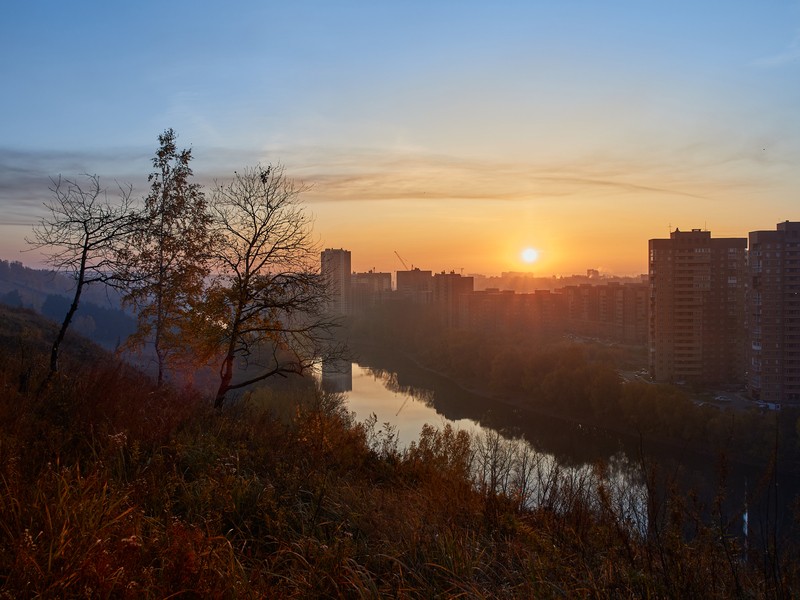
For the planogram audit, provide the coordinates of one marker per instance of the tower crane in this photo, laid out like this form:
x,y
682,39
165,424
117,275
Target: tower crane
x,y
402,406
401,260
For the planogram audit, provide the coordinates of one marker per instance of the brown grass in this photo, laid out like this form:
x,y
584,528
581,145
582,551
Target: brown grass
x,y
111,488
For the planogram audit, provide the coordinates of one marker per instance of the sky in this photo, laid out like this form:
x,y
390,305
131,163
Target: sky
x,y
455,133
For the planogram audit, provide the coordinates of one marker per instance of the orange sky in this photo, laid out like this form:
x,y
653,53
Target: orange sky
x,y
479,216
445,213
457,133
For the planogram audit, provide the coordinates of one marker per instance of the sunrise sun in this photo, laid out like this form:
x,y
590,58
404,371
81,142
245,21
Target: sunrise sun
x,y
529,255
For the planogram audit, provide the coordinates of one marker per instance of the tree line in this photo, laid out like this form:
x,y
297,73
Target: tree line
x,y
579,382
227,278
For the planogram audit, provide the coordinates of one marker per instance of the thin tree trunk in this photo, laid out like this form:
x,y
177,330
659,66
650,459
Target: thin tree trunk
x,y
68,318
157,347
64,326
226,372
160,300
225,381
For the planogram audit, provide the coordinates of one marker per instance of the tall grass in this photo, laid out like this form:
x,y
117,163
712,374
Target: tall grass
x,y
110,487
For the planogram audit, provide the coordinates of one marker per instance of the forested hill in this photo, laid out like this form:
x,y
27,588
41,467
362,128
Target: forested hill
x,y
34,285
25,336
49,293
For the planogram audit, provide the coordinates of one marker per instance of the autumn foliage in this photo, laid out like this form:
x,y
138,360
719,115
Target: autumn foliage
x,y
113,487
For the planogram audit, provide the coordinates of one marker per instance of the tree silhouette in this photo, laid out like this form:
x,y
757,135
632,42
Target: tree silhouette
x,y
265,310
82,236
167,261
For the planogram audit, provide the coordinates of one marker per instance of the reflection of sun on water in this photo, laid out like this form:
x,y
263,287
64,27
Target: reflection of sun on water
x,y
529,255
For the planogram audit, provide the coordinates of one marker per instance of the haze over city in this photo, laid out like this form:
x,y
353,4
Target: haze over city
x,y
459,134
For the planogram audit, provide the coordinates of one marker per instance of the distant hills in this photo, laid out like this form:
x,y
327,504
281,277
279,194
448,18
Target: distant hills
x,y
99,318
25,336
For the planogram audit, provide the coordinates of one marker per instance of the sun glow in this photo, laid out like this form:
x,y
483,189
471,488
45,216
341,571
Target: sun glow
x,y
530,255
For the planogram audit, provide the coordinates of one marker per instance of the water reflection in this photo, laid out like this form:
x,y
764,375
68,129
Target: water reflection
x,y
502,462
337,376
391,381
572,443
407,408
569,456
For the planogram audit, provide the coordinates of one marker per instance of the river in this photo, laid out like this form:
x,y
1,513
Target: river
x,y
399,392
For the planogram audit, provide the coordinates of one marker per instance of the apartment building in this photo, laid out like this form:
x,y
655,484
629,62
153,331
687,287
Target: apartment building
x,y
336,270
773,312
697,308
369,289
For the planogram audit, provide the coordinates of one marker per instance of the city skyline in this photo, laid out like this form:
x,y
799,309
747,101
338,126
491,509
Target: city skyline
x,y
459,135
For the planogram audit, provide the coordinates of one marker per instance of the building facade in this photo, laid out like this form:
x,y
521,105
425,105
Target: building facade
x,y
541,313
336,271
611,311
369,289
697,307
773,311
447,290
415,285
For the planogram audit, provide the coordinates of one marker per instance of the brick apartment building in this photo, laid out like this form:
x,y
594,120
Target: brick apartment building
x,y
697,308
773,312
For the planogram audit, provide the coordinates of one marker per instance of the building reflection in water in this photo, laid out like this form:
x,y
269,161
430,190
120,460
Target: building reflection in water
x,y
337,376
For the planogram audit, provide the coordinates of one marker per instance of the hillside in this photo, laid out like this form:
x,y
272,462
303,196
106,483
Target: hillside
x,y
34,285
99,316
26,338
110,487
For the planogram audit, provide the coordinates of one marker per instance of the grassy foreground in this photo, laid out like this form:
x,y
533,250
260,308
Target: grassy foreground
x,y
110,487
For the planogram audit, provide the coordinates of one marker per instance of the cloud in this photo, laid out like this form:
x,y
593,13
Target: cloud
x,y
25,176
386,174
375,176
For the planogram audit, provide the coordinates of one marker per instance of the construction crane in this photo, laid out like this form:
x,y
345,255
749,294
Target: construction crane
x,y
401,260
402,406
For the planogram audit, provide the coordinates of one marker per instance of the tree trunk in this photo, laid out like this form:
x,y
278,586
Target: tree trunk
x,y
160,290
225,381
61,334
70,313
226,371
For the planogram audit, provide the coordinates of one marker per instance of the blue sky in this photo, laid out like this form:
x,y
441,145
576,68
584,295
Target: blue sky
x,y
457,133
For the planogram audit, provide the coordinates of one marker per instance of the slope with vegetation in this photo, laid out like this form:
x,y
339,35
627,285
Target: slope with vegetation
x,y
113,487
47,292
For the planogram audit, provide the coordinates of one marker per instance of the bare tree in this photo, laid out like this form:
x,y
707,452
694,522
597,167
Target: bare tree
x,y
81,236
265,311
166,263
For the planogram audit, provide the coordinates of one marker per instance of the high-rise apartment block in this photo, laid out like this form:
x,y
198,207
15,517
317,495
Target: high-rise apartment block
x,y
369,289
336,270
448,288
774,314
415,285
697,308
612,310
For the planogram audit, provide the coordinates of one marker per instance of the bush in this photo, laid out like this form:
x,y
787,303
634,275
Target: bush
x,y
110,487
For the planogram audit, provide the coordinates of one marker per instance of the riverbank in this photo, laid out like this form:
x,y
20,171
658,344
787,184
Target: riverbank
x,y
647,442
112,486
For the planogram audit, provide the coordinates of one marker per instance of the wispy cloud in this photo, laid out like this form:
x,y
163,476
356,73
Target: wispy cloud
x,y
25,177
370,174
387,176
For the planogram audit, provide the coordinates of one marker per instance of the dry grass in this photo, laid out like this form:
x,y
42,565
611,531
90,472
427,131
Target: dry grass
x,y
110,488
